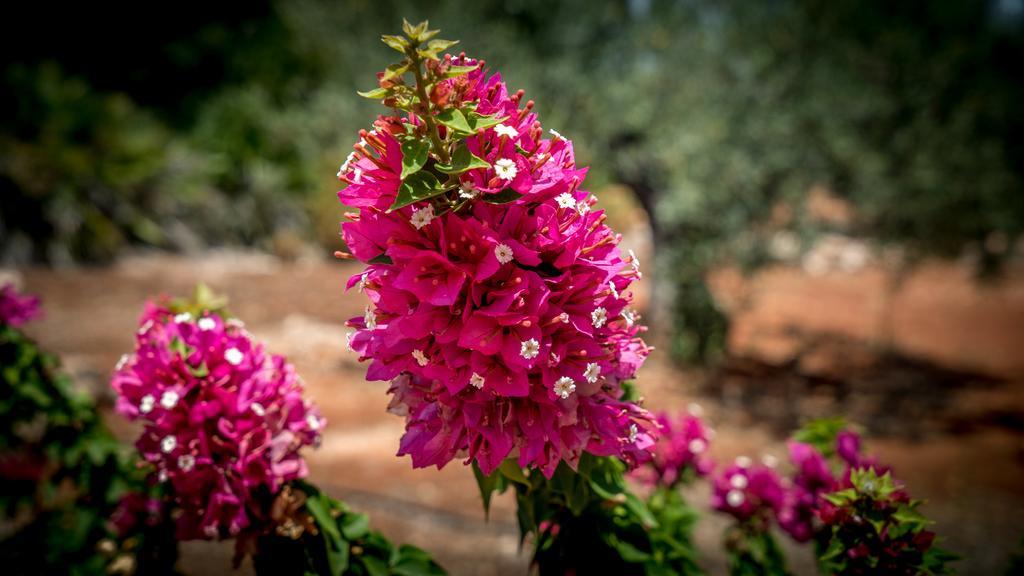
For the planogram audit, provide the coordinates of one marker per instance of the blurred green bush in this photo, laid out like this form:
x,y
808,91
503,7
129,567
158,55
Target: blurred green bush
x,y
225,126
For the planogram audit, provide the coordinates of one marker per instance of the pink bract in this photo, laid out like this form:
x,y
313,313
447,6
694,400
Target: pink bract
x,y
223,422
504,328
17,309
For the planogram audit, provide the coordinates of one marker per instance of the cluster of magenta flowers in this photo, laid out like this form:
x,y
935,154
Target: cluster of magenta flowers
x,y
17,309
502,319
681,451
223,421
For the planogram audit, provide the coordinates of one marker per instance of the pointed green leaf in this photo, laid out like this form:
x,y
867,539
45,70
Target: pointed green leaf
x,y
504,197
511,470
355,526
455,120
454,71
477,122
414,156
463,160
488,485
418,186
375,94
397,42
396,70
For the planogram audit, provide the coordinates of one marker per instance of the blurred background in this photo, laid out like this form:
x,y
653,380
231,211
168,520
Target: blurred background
x,y
826,197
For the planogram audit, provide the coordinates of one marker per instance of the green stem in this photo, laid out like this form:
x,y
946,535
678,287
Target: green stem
x,y
428,119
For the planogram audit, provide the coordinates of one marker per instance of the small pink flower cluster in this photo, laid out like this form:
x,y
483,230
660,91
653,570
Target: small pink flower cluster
x,y
223,421
504,328
747,490
681,449
16,309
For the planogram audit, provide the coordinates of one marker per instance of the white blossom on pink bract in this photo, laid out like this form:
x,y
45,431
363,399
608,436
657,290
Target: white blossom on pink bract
x,y
223,422
504,328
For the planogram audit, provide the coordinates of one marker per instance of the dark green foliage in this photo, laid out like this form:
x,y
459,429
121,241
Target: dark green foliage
x,y
753,551
63,470
588,522
343,544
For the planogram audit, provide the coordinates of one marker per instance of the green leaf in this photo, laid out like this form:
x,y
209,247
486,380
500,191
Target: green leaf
x,y
414,156
463,160
321,512
454,71
630,553
456,120
374,566
375,94
504,197
395,70
637,507
487,485
382,259
477,122
511,470
418,186
355,526
397,42
440,45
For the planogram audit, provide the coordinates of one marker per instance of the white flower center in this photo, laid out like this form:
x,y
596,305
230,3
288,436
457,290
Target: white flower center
x,y
529,349
735,498
233,356
313,422
633,433
503,130
598,317
738,481
743,461
370,319
769,461
564,386
555,133
168,444
182,318
258,409
565,200
697,446
206,324
122,362
186,462
503,252
421,359
592,372
476,381
583,206
506,169
467,191
169,399
422,217
146,404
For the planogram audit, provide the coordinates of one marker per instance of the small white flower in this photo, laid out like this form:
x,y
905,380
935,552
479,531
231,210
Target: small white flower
x,y
503,130
564,386
592,372
506,169
565,200
583,206
634,260
370,319
697,446
145,327
258,409
313,422
735,498
122,362
476,381
629,316
769,461
633,432
738,481
146,404
186,462
421,359
503,252
615,291
233,356
743,461
182,318
598,317
361,284
206,323
348,161
467,191
422,217
358,179
169,399
162,475
556,134
168,444
695,410
529,349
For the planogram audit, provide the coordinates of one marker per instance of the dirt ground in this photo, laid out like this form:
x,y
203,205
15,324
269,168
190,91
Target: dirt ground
x,y
956,440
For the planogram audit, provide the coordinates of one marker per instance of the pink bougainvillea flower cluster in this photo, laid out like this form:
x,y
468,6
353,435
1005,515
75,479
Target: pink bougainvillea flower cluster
x,y
746,490
681,449
17,309
223,420
502,318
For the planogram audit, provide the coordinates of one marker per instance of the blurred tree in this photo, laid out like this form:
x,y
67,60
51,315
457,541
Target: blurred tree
x,y
230,123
